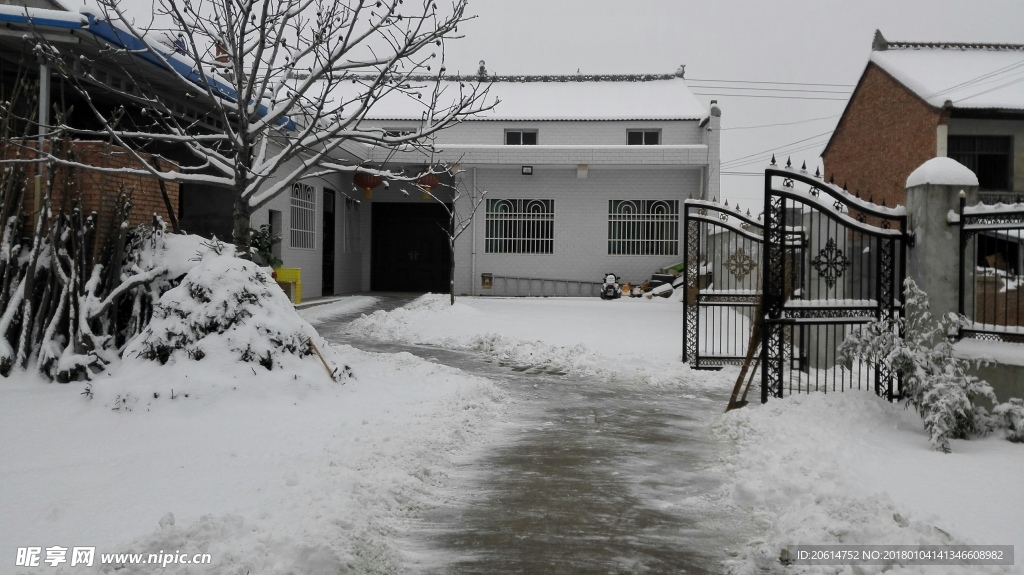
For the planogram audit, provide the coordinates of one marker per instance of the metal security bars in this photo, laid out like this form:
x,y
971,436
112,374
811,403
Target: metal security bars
x,y
643,227
520,227
303,224
991,276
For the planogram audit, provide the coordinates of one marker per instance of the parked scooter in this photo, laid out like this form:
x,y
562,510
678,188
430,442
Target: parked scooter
x,y
610,287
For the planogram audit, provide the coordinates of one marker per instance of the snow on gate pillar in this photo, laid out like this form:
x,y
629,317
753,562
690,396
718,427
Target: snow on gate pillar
x,y
933,195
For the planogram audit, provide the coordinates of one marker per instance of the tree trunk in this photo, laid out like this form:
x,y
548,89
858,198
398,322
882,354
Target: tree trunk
x,y
167,198
451,258
242,234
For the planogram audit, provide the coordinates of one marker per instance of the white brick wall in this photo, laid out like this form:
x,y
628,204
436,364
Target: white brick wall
x,y
481,132
581,204
581,223
347,277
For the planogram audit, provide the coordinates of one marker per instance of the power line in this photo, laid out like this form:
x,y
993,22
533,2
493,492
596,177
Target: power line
x,y
992,89
772,149
780,152
781,123
764,82
763,96
976,79
772,89
784,151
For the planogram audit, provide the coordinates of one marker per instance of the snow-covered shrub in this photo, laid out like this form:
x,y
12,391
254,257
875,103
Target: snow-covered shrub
x,y
225,306
1012,416
934,381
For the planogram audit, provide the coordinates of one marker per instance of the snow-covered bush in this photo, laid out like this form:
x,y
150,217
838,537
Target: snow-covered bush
x,y
1012,415
934,381
225,306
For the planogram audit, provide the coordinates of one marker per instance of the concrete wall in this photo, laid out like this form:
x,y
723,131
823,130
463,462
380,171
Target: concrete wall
x,y
933,263
580,226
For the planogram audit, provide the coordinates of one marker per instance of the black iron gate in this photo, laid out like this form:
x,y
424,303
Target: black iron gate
x,y
848,271
722,247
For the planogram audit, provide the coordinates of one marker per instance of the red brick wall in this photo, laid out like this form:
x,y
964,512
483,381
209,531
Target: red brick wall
x,y
886,133
994,306
99,191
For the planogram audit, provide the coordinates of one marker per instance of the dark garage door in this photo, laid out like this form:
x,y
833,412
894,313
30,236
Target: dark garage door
x,y
410,248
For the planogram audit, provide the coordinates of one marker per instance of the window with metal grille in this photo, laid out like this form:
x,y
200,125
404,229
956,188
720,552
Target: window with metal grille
x,y
986,156
643,227
303,225
643,137
520,227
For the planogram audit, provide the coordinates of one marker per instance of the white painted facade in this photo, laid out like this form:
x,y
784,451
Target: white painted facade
x,y
580,165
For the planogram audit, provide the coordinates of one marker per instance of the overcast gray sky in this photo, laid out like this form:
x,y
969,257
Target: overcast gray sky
x,y
816,42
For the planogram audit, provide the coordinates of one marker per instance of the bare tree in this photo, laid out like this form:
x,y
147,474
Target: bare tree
x,y
461,203
283,88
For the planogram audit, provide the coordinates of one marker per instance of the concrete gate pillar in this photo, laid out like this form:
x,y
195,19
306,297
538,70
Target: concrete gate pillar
x,y
933,193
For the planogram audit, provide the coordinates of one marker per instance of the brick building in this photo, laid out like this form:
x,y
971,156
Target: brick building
x,y
916,101
93,192
98,171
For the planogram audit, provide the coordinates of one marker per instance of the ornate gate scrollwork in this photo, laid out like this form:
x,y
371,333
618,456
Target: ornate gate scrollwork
x,y
849,272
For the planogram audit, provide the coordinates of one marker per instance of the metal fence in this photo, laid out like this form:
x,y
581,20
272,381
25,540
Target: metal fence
x,y
992,271
512,286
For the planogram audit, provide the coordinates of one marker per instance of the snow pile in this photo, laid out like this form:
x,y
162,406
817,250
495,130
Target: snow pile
x,y
942,172
177,253
850,468
635,340
226,306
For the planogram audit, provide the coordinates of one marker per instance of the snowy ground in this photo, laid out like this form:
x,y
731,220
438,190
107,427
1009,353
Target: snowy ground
x,y
822,469
636,339
269,472
303,475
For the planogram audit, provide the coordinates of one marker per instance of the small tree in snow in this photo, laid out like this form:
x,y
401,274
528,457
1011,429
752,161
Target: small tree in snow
x,y
933,380
280,85
461,203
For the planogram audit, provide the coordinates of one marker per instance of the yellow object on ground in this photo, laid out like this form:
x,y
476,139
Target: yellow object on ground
x,y
290,280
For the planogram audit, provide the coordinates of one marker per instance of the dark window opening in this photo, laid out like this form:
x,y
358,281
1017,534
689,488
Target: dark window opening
x,y
643,137
520,138
987,156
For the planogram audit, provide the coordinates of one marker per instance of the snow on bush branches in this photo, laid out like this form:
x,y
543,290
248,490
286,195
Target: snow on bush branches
x,y
934,382
226,306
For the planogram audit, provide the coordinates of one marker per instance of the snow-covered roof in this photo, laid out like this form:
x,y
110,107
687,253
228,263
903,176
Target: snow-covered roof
x,y
971,76
546,98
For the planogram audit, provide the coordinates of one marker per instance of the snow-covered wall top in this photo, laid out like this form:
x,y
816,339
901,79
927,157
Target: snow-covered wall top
x,y
975,77
942,172
568,99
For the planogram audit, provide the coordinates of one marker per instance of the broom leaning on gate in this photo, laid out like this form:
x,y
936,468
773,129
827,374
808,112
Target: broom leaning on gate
x,y
754,343
753,346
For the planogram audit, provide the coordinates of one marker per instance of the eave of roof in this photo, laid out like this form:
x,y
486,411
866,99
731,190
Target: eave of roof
x,y
104,30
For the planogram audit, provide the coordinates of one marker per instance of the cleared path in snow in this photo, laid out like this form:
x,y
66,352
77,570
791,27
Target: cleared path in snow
x,y
596,476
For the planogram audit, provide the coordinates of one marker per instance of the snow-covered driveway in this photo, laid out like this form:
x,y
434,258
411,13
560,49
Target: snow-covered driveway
x,y
592,473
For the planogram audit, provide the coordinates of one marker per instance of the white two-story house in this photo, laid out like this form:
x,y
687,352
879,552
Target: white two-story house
x,y
584,175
